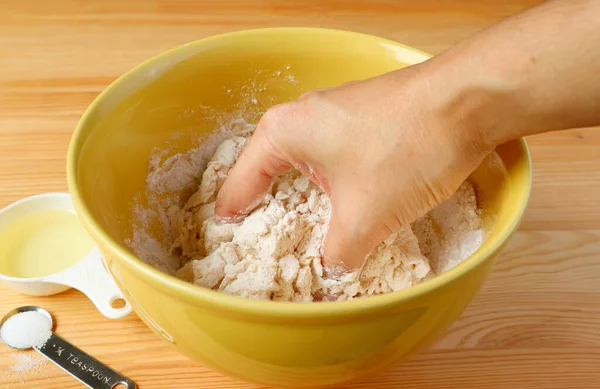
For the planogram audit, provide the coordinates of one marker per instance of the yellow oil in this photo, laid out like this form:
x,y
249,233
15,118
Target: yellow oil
x,y
42,243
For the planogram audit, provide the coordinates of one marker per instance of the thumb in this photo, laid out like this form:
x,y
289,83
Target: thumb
x,y
250,177
350,238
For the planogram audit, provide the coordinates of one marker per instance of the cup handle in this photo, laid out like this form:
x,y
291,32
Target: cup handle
x,y
91,277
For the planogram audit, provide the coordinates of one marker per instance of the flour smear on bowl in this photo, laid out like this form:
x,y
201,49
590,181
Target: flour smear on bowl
x,y
274,254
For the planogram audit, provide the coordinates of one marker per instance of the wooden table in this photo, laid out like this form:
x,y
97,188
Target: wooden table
x,y
536,323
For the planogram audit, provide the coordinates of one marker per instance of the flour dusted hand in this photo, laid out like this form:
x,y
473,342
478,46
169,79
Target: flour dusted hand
x,y
275,252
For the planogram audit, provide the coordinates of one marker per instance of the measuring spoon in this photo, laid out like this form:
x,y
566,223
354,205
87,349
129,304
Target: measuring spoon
x,y
74,361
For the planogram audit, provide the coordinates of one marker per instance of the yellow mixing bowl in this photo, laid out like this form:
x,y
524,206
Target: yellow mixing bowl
x,y
172,99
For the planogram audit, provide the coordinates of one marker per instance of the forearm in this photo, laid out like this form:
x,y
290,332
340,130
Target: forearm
x,y
534,72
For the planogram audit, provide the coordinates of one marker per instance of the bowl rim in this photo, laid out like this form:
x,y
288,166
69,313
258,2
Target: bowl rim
x,y
265,308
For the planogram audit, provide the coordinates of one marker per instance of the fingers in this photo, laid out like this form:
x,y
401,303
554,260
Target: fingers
x,y
250,178
350,238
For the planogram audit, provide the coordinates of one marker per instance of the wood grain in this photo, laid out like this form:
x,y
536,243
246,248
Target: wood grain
x,y
536,323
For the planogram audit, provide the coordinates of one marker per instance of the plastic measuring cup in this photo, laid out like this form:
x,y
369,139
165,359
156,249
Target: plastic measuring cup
x,y
89,274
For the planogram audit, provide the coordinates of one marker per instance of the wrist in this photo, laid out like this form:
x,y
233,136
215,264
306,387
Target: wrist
x,y
487,99
478,107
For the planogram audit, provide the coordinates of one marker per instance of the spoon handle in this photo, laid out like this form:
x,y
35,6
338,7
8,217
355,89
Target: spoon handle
x,y
80,365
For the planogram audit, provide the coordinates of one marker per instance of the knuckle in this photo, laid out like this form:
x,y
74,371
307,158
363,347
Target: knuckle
x,y
277,115
313,95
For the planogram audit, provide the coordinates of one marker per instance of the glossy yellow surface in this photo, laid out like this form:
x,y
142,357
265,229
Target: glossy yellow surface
x,y
276,343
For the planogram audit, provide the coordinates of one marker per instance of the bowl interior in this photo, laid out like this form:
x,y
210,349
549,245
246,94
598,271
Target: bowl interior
x,y
174,100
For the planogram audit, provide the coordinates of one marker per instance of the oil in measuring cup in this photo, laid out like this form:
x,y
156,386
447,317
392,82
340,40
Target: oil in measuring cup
x,y
44,250
42,242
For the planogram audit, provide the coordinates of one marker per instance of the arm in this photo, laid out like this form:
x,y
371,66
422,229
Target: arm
x,y
537,71
433,122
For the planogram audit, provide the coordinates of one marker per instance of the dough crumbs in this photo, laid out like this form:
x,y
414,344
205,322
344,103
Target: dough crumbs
x,y
274,254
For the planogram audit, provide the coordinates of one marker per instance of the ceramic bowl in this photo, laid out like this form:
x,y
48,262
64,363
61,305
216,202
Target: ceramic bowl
x,y
182,94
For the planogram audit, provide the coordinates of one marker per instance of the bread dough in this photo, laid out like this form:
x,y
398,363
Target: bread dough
x,y
274,253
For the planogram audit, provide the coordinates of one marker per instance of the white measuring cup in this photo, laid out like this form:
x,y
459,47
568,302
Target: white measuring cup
x,y
89,275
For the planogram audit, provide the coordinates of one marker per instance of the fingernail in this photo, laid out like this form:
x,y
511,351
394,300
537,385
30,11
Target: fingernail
x,y
220,220
336,271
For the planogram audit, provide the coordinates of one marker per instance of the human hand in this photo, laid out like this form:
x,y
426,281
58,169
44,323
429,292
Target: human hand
x,y
382,149
388,149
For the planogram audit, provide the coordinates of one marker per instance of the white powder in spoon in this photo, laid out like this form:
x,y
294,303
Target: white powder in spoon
x,y
26,330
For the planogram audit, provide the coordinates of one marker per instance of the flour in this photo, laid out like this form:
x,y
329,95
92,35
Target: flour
x,y
452,231
169,185
275,253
